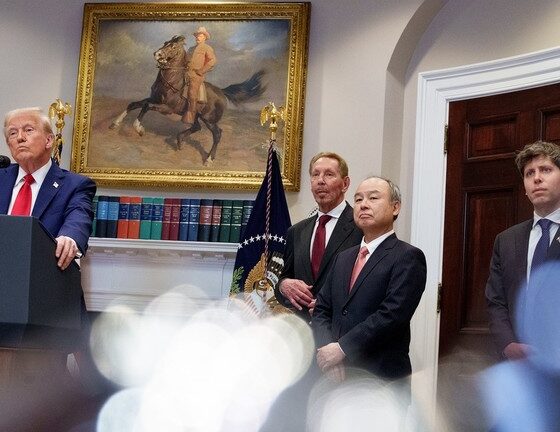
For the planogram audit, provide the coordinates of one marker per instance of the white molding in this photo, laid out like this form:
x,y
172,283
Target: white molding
x,y
135,272
435,90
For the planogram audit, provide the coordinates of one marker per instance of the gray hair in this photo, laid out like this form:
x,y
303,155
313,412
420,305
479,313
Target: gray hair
x,y
36,112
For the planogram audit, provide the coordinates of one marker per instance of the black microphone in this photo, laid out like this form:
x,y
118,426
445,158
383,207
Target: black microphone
x,y
4,161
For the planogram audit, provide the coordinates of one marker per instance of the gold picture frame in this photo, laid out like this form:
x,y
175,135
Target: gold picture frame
x,y
261,51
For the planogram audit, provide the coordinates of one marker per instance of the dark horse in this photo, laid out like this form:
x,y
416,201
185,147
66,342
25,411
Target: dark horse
x,y
166,96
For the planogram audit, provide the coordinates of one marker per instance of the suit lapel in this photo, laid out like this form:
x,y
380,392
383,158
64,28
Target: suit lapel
x,y
341,231
377,256
306,234
49,189
9,176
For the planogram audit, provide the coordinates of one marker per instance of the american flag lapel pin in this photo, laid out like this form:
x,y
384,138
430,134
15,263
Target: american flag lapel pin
x,y
55,184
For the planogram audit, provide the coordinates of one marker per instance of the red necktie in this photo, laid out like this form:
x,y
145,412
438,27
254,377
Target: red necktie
x,y
318,249
358,266
22,205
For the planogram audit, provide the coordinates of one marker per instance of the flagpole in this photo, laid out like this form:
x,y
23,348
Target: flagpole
x,y
273,115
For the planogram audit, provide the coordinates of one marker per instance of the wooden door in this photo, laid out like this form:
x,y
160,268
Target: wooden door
x,y
485,194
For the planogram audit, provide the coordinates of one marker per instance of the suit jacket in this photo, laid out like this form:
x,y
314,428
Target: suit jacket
x,y
505,289
297,260
372,322
63,204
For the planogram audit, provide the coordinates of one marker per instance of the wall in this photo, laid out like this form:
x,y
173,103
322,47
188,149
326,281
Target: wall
x,y
351,44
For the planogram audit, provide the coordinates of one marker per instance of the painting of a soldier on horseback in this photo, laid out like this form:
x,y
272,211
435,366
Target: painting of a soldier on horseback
x,y
170,94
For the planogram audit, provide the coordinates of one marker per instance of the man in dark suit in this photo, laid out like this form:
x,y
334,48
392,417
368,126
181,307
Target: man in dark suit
x,y
61,200
515,249
300,282
363,311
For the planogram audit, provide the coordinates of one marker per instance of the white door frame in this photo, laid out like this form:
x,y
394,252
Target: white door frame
x,y
435,90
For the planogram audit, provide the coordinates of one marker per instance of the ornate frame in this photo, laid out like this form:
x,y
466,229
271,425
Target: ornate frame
x,y
109,159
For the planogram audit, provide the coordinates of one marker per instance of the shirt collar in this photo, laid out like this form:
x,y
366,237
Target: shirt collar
x,y
372,245
39,175
554,217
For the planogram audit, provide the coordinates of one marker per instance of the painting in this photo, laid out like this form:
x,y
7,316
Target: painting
x,y
169,94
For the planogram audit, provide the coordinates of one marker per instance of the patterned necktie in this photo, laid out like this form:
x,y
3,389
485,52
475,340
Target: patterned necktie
x,y
22,204
358,266
318,249
541,249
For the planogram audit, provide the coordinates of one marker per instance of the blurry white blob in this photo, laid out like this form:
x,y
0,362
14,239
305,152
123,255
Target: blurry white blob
x,y
214,370
120,412
359,404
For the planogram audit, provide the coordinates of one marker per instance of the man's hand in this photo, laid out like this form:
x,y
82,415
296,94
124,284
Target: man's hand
x,y
336,373
297,292
66,250
329,356
312,306
517,351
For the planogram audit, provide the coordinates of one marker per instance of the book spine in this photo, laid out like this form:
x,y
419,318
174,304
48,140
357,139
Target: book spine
x,y
157,219
166,222
175,218
247,210
113,216
102,215
122,223
216,217
225,221
146,217
236,217
205,220
194,217
134,217
94,221
184,219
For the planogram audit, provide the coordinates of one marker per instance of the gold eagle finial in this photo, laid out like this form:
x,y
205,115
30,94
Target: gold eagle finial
x,y
272,114
59,110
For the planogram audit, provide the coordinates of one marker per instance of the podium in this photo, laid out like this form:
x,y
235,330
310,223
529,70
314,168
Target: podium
x,y
40,305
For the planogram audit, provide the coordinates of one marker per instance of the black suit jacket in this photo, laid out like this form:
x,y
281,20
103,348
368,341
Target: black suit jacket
x,y
298,244
505,289
372,322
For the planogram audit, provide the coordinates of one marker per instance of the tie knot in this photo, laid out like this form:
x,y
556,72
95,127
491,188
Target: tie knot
x,y
28,178
324,219
545,224
363,251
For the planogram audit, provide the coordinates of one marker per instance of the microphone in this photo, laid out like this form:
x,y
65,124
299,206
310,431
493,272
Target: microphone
x,y
4,161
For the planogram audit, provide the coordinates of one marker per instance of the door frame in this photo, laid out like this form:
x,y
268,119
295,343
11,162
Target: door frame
x,y
435,90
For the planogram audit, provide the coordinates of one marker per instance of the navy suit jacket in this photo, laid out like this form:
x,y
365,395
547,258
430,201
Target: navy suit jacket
x,y
63,205
372,322
505,293
297,253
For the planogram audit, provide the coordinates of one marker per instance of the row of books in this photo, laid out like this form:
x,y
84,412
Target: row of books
x,y
209,220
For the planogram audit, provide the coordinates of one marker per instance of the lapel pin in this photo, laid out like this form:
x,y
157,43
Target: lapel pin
x,y
55,184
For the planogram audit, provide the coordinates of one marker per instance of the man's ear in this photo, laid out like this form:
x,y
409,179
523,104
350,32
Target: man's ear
x,y
346,181
50,141
396,208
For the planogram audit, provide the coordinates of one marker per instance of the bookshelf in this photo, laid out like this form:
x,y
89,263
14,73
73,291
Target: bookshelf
x,y
135,271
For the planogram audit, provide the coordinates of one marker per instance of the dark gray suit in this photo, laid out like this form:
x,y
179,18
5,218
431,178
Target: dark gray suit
x,y
505,293
298,244
372,322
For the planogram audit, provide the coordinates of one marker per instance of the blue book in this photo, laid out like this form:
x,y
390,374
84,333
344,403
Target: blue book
x,y
205,220
102,213
194,216
247,209
184,219
94,222
113,216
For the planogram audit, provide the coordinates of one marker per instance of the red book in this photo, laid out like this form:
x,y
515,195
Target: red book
x,y
166,222
134,217
175,219
122,223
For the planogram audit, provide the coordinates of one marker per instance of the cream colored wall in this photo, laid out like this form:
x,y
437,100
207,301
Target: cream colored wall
x,y
351,45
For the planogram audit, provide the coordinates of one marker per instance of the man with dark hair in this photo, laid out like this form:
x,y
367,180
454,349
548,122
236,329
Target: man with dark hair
x,y
312,244
519,250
